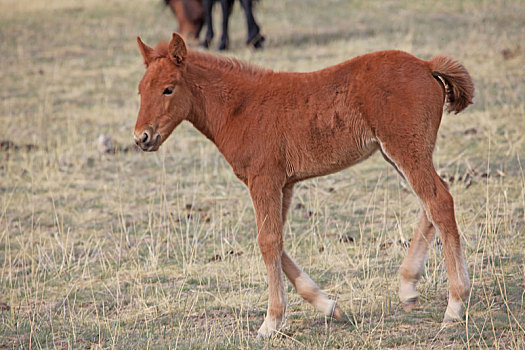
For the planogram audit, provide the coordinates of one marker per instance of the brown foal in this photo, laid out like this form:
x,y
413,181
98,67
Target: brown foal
x,y
278,128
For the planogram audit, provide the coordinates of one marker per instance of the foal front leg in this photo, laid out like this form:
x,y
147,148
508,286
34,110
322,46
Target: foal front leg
x,y
304,285
309,291
267,201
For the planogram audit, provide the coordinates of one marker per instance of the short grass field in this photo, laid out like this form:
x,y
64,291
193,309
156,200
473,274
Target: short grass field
x,y
131,250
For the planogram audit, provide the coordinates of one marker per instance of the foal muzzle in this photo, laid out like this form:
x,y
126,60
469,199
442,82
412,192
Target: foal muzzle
x,y
147,140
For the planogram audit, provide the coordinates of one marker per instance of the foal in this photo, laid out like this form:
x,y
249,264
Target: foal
x,y
276,129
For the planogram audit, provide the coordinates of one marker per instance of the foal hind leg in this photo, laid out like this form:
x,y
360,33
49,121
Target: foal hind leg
x,y
415,162
414,263
304,285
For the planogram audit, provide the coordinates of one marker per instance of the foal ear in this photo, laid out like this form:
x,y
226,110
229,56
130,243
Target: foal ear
x,y
147,52
177,49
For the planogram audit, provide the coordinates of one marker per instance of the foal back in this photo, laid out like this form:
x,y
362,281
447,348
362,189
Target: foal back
x,y
336,117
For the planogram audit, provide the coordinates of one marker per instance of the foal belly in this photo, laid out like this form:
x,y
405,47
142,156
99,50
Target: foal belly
x,y
327,142
324,159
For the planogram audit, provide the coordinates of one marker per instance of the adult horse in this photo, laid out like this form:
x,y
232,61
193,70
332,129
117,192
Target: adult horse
x,y
277,128
190,16
254,37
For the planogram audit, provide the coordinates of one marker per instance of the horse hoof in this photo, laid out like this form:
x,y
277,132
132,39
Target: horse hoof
x,y
449,319
205,43
268,329
409,304
257,42
258,45
265,332
408,293
339,315
224,43
451,322
263,336
454,312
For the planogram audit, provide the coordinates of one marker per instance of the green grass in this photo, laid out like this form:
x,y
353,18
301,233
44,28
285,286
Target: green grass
x,y
104,251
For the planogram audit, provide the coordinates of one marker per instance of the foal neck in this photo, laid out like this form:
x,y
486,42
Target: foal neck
x,y
217,84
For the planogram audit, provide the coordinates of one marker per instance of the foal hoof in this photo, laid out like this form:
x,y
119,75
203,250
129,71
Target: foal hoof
x,y
408,305
408,295
454,312
339,315
447,320
267,330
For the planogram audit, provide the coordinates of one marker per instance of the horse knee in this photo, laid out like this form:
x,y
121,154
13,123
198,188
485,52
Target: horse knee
x,y
443,200
442,211
438,202
270,245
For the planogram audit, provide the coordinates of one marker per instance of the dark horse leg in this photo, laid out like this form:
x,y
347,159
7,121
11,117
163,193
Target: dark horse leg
x,y
208,6
227,6
254,36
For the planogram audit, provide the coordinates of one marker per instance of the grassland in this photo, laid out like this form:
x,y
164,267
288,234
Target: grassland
x,y
134,250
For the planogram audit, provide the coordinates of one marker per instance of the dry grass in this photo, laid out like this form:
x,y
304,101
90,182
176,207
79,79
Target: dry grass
x,y
132,250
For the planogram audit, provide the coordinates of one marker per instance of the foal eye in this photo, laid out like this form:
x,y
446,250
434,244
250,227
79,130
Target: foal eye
x,y
168,91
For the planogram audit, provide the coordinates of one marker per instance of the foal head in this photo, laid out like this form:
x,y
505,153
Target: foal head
x,y
164,96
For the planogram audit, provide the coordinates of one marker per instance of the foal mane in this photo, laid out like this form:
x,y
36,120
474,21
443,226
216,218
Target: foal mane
x,y
214,62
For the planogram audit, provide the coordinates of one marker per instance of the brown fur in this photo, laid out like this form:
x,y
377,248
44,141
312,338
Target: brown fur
x,y
189,15
277,128
460,89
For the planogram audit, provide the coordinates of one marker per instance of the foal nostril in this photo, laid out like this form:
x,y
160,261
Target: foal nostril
x,y
145,140
145,137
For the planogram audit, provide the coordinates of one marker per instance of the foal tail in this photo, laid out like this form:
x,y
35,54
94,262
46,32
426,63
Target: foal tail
x,y
458,83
